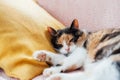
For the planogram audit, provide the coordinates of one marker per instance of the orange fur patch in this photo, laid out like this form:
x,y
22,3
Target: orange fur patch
x,y
81,39
94,42
65,37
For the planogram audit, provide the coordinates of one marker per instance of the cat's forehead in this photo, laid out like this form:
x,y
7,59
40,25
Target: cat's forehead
x,y
66,31
60,32
64,37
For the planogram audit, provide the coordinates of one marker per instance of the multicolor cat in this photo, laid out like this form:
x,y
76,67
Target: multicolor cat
x,y
97,52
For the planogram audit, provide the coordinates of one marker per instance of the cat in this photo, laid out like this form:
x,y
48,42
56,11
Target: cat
x,y
97,52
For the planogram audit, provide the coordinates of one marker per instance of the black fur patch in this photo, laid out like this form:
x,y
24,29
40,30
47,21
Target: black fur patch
x,y
118,67
99,54
117,51
58,65
75,32
114,35
109,36
54,42
85,44
104,37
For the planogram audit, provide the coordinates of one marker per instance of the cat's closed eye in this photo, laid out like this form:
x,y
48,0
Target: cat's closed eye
x,y
71,40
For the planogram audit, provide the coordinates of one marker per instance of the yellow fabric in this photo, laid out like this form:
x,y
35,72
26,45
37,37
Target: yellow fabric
x,y
22,31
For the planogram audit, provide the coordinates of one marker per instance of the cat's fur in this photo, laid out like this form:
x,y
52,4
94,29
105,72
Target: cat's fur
x,y
98,53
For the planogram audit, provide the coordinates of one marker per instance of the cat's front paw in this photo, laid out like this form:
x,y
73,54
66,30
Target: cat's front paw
x,y
41,55
53,70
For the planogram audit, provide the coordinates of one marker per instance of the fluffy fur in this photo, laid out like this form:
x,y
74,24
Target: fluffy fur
x,y
97,53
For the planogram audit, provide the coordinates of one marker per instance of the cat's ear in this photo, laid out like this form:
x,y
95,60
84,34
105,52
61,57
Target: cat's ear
x,y
74,24
51,30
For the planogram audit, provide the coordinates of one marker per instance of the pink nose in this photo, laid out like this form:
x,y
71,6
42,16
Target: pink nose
x,y
68,49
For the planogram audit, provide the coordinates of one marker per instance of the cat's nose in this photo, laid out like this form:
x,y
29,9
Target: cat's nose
x,y
67,49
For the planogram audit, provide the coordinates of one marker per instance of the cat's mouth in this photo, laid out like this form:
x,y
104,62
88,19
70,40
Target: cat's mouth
x,y
67,54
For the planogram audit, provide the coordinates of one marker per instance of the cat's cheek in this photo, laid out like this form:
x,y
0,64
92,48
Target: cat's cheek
x,y
72,48
63,51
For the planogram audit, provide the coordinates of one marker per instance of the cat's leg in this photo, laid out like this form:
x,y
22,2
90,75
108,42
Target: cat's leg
x,y
75,60
72,62
68,76
104,70
43,55
52,70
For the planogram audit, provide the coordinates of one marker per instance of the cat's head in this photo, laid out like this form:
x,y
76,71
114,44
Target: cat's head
x,y
66,40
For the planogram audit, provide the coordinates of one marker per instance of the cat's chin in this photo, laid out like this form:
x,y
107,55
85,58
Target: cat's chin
x,y
65,53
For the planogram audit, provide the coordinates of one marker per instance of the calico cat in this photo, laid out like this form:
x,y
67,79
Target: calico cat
x,y
97,52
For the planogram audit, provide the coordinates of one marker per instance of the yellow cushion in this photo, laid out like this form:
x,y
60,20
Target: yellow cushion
x,y
22,31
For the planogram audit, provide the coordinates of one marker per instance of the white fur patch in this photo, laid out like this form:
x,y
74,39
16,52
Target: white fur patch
x,y
103,70
65,46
